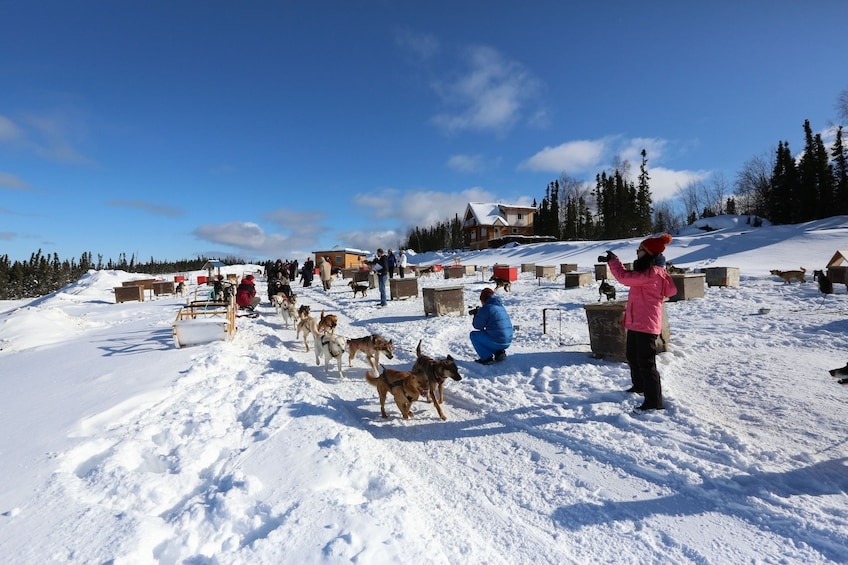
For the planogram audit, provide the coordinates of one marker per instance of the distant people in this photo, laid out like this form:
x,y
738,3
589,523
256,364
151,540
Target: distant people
x,y
246,294
492,325
402,263
392,261
650,285
325,271
381,266
277,270
307,273
293,270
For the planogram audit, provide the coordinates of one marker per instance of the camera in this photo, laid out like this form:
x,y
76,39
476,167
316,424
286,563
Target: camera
x,y
602,259
473,311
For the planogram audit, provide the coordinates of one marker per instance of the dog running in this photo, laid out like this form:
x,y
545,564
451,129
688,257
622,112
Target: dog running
x,y
358,287
329,347
306,324
401,384
789,276
285,307
430,375
501,283
371,345
606,289
327,323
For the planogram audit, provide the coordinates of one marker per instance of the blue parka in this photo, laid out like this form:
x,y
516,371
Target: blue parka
x,y
493,318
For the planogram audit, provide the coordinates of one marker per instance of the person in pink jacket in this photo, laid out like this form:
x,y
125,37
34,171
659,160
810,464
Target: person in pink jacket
x,y
650,285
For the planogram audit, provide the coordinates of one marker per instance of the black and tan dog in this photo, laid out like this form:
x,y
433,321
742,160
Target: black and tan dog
x,y
401,384
501,283
358,287
371,345
606,289
788,276
327,323
430,375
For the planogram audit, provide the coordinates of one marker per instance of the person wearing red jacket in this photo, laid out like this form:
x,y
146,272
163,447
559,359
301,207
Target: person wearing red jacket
x,y
246,294
650,285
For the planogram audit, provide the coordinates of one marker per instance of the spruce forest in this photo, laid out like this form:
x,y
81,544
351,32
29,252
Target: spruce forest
x,y
779,187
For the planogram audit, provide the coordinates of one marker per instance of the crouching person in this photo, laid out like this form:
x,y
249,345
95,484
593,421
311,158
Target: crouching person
x,y
493,328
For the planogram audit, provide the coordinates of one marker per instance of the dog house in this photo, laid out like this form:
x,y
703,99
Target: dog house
x,y
403,288
722,276
602,272
163,287
607,336
836,271
528,267
505,272
127,293
567,268
688,286
454,272
546,272
441,301
574,280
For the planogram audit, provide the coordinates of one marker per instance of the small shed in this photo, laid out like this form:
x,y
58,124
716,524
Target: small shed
x,y
343,258
836,271
213,264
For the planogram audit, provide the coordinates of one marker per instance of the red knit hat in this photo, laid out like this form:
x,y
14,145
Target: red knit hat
x,y
656,245
485,294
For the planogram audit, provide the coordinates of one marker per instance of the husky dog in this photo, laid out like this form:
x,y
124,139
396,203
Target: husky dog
x,y
402,386
501,283
430,375
180,289
606,289
358,287
372,345
306,324
285,307
327,323
328,347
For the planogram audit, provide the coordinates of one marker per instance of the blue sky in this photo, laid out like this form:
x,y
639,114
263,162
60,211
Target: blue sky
x,y
272,129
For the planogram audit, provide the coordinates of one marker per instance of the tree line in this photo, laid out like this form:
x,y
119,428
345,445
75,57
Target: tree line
x,y
780,187
44,274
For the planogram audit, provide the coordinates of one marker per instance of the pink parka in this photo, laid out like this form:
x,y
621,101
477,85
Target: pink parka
x,y
648,291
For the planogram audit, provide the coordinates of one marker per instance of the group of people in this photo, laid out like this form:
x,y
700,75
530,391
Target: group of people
x,y
650,286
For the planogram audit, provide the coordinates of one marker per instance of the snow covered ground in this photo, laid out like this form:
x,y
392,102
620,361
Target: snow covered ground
x,y
117,447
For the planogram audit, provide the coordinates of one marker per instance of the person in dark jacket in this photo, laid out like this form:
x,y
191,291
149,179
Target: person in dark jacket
x,y
307,272
246,294
492,333
391,260
381,265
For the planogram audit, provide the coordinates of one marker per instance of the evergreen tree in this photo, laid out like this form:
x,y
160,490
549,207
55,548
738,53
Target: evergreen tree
x,y
840,174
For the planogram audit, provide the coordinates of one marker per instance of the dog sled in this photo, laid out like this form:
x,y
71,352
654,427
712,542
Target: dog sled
x,y
204,321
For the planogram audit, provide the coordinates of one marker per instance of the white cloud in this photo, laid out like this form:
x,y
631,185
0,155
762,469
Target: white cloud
x,y
490,95
572,157
665,183
9,131
424,46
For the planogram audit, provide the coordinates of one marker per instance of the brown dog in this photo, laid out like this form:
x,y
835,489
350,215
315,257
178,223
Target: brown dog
x,y
358,287
371,345
402,386
430,375
306,324
787,276
327,323
501,283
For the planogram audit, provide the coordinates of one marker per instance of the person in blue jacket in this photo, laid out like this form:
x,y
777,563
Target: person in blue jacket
x,y
492,333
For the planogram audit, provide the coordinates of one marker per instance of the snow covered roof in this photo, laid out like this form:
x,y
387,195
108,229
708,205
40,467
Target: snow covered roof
x,y
490,214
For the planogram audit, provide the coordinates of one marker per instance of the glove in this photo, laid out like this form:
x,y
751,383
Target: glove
x,y
611,255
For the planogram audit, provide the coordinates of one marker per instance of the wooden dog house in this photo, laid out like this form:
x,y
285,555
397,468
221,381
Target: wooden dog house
x,y
343,258
836,271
